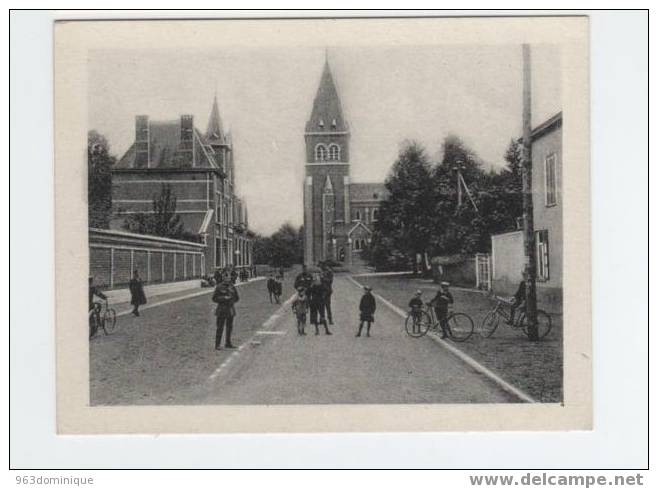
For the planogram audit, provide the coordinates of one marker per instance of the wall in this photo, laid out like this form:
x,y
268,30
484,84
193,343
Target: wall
x,y
461,274
549,217
113,255
507,262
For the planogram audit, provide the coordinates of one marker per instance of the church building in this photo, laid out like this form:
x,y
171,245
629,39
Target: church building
x,y
338,214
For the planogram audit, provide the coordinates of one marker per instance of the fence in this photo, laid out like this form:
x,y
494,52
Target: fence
x,y
113,255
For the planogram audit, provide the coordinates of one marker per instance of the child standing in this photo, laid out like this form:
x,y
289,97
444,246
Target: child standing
x,y
299,308
367,307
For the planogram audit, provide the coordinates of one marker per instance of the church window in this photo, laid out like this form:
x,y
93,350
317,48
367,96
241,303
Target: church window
x,y
333,124
357,244
334,152
321,123
375,214
320,152
358,215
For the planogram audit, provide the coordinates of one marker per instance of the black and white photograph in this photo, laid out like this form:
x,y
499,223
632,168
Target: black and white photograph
x,y
328,239
322,222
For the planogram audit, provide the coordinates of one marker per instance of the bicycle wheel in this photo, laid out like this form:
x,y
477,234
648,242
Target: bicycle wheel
x,y
490,324
460,327
544,324
417,325
109,320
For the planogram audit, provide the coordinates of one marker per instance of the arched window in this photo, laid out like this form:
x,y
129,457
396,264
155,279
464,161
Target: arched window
x,y
320,152
357,215
357,244
334,152
375,214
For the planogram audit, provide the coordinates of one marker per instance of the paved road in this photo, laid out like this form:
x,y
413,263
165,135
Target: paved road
x,y
280,367
166,357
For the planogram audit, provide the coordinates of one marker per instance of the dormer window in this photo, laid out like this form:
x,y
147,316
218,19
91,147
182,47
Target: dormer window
x,y
321,123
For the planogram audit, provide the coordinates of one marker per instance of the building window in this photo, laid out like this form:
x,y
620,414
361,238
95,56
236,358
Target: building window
x,y
334,152
357,244
550,173
375,214
357,215
541,243
320,152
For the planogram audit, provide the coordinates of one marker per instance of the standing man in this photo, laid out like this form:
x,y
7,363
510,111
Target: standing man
x,y
225,296
304,279
327,279
440,303
137,296
316,299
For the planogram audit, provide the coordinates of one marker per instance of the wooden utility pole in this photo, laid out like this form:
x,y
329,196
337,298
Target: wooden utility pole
x,y
528,220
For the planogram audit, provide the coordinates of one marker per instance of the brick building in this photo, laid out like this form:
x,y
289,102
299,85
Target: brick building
x,y
200,170
338,214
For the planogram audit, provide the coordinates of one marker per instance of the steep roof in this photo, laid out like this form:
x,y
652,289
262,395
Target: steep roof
x,y
368,191
327,113
215,131
164,149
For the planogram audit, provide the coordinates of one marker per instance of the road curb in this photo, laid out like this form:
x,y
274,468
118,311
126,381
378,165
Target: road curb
x,y
503,384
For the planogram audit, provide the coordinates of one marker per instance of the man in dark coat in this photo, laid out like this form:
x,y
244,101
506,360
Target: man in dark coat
x,y
234,276
327,279
225,296
367,308
137,296
440,303
304,279
317,300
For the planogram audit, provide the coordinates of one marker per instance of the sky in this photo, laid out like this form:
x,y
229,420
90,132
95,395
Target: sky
x,y
265,95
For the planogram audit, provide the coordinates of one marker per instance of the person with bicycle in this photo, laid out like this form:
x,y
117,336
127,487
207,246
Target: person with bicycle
x,y
440,303
94,312
94,291
518,300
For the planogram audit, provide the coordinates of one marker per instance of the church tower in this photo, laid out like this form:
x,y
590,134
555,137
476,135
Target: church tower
x,y
326,185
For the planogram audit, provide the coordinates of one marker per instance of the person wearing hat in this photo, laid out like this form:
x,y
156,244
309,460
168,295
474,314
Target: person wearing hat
x,y
317,301
299,308
440,303
225,296
367,308
416,306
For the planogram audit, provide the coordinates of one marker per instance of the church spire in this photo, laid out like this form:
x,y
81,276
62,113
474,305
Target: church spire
x,y
327,113
215,132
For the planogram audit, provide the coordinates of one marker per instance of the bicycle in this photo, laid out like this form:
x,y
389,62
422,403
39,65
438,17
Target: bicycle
x,y
492,320
105,321
459,325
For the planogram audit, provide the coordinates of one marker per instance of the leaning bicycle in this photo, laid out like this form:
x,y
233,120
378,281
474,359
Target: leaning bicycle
x,y
500,313
102,316
459,325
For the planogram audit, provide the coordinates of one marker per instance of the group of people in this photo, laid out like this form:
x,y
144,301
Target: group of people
x,y
314,296
136,287
440,303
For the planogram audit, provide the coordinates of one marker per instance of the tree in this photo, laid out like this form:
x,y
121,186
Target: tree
x,y
163,221
99,180
403,229
282,249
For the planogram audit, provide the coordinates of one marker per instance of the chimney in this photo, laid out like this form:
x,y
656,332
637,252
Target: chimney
x,y
186,147
142,155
